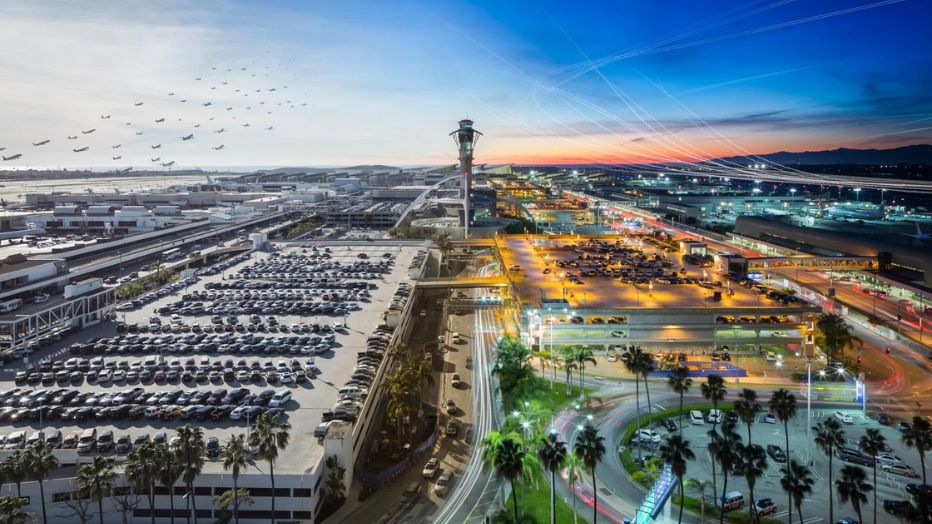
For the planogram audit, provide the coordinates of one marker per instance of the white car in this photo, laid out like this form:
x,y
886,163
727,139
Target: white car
x,y
279,399
888,459
714,416
843,417
647,435
443,483
695,417
431,468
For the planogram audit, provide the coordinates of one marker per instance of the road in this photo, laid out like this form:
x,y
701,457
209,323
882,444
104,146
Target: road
x,y
477,488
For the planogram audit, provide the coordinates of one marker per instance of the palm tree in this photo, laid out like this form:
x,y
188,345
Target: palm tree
x,y
753,461
14,470
189,454
699,487
506,455
853,488
680,382
645,367
269,435
568,356
445,244
552,454
96,479
632,360
12,511
590,448
834,335
574,472
724,449
675,452
40,462
583,354
797,483
872,443
747,408
170,470
235,457
828,437
142,467
714,391
919,436
783,406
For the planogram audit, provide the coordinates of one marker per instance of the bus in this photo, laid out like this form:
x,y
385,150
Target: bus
x,y
172,254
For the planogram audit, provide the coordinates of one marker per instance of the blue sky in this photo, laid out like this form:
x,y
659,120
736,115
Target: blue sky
x,y
384,82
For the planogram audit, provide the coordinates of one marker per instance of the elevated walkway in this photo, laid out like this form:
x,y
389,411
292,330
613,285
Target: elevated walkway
x,y
656,497
468,282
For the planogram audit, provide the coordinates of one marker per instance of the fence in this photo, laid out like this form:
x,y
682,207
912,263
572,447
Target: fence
x,y
376,480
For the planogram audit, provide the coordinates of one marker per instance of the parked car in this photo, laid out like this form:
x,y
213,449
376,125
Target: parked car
x,y
776,453
431,468
844,418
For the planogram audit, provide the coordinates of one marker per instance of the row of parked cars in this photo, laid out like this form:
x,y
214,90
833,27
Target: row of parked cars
x,y
93,441
312,282
70,405
274,307
317,342
292,266
156,294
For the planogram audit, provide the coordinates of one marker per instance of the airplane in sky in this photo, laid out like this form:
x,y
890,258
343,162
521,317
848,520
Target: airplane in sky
x,y
138,133
197,125
168,164
104,117
42,143
230,108
218,148
116,146
14,157
221,130
118,157
207,104
270,128
72,137
137,104
246,124
156,159
183,100
89,131
123,171
85,148
156,146
159,120
186,138
171,94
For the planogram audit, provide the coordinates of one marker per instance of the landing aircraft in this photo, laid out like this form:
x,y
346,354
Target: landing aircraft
x,y
138,133
270,128
206,104
89,131
156,146
168,164
85,148
137,104
221,130
160,120
186,138
218,148
14,157
123,171
118,157
104,117
72,137
156,159
42,143
116,146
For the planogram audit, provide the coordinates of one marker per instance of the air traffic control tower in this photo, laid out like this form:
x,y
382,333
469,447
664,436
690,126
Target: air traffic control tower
x,y
466,138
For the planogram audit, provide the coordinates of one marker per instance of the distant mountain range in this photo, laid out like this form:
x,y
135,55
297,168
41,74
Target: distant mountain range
x,y
915,154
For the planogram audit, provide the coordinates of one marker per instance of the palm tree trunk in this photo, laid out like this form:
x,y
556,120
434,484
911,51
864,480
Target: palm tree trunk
x,y
857,509
922,462
799,511
831,503
595,499
19,487
235,499
272,478
714,424
171,501
789,497
45,520
573,487
100,507
875,492
152,502
553,498
637,406
681,417
721,512
647,392
193,500
679,520
514,499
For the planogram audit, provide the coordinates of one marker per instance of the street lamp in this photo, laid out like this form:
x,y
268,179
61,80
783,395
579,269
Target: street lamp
x,y
857,193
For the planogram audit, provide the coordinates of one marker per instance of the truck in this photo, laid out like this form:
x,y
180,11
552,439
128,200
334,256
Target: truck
x,y
11,305
83,287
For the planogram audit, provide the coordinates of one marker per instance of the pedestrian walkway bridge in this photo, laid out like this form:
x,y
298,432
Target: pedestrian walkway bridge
x,y
466,282
656,497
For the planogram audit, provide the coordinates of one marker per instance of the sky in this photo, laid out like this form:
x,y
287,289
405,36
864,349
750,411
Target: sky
x,y
331,83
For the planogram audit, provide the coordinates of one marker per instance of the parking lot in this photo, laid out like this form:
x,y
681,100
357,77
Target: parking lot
x,y
209,352
770,435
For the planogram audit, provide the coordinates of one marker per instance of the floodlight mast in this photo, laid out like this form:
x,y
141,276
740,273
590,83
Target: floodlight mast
x,y
465,138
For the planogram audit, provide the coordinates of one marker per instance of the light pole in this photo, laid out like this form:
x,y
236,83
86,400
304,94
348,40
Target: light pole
x,y
857,194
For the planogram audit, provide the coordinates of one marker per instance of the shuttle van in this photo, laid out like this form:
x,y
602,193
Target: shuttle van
x,y
733,500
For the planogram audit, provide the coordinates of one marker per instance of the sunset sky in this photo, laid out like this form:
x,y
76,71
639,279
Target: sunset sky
x,y
385,82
